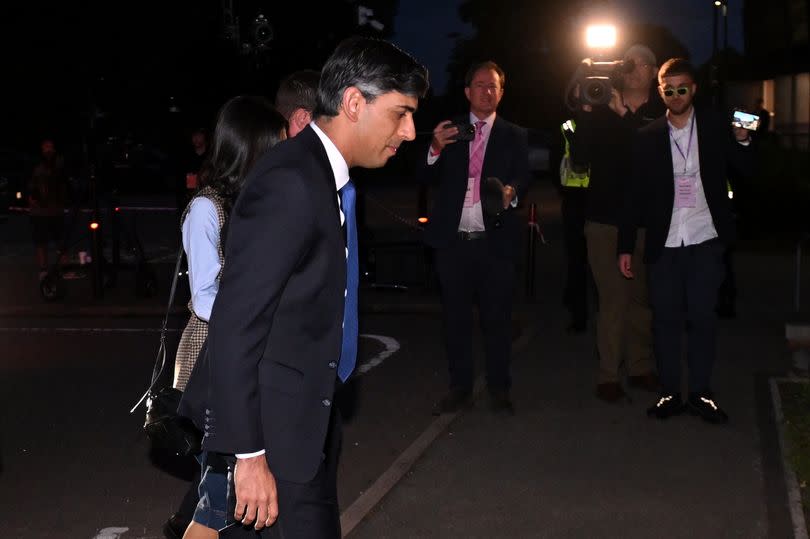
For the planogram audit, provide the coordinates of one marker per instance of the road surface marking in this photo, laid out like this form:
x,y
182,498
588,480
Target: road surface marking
x,y
86,330
391,346
111,533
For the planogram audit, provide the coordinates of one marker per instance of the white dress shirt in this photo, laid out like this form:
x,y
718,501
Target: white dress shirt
x,y
472,219
341,171
201,243
688,226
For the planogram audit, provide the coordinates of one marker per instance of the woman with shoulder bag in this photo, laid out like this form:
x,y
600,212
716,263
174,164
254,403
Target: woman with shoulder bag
x,y
246,128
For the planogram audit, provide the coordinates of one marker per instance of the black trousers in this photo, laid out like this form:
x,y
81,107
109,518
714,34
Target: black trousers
x,y
469,273
683,294
576,257
306,510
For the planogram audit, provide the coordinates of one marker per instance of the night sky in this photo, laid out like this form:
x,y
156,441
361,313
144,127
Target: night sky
x,y
689,20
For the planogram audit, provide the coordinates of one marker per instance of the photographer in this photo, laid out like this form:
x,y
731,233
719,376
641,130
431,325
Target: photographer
x,y
480,163
601,143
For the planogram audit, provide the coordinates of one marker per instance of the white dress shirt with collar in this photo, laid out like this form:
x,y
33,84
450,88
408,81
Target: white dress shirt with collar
x,y
688,226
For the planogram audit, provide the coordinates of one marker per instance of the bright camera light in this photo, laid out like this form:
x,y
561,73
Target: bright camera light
x,y
601,36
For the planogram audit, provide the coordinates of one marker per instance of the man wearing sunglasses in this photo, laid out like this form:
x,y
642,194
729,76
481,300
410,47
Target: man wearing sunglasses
x,y
601,143
678,190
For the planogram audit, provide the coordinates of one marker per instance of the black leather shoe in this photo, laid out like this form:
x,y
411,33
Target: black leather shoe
x,y
666,406
455,400
703,405
175,527
500,403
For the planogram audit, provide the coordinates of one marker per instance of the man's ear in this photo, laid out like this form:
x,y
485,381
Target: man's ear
x,y
352,103
467,92
301,118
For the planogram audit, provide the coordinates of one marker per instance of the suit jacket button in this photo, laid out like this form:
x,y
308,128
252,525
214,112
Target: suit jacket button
x,y
326,402
333,364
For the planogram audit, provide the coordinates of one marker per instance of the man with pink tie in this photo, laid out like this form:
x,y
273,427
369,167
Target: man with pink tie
x,y
475,233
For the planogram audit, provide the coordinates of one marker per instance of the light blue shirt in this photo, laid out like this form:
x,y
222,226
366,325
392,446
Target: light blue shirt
x,y
201,241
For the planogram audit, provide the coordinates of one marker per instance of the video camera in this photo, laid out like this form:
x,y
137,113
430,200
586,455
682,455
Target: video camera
x,y
596,81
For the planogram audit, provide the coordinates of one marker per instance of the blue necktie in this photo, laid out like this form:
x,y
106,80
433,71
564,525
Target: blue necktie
x,y
348,351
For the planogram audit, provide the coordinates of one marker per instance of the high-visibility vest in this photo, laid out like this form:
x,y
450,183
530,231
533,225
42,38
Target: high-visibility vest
x,y
569,178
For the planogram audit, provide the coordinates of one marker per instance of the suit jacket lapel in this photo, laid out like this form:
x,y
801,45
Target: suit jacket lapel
x,y
496,140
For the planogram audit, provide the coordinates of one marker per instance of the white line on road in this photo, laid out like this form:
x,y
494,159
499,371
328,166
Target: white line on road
x,y
391,346
111,532
85,330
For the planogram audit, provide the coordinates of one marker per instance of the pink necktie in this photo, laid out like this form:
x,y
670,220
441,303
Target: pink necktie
x,y
477,159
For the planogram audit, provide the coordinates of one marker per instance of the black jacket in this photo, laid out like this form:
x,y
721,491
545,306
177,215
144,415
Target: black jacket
x,y
275,330
649,201
506,157
602,142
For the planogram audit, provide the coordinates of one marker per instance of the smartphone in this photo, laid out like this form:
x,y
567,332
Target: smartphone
x,y
466,132
746,120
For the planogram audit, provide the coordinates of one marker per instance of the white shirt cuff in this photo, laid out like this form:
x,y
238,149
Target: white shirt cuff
x,y
249,455
431,159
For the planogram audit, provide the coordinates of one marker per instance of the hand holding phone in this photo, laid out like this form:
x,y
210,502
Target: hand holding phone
x,y
745,120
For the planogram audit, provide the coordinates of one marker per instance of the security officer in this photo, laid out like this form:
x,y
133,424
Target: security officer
x,y
574,190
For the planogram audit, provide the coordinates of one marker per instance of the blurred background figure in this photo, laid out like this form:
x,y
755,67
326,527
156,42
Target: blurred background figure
x,y
295,99
191,164
764,118
47,197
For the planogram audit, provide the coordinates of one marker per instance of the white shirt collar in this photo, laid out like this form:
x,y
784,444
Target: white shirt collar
x,y
489,119
339,167
687,125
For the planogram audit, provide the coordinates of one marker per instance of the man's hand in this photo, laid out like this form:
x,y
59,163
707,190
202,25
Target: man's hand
x,y
509,195
443,135
741,134
256,497
626,265
617,103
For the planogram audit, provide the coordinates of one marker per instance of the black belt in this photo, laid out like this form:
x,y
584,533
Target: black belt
x,y
473,235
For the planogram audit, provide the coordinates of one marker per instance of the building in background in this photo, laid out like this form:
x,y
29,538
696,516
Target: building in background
x,y
776,66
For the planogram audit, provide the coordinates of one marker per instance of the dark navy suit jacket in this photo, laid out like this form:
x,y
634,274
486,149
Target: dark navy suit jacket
x,y
506,158
276,326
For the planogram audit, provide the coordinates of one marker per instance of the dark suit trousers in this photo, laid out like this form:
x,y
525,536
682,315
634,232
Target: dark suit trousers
x,y
683,293
308,510
576,257
468,272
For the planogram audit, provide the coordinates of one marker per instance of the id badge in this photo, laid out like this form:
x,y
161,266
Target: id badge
x,y
468,196
685,191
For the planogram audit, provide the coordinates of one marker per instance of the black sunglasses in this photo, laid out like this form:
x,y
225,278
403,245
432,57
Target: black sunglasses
x,y
682,90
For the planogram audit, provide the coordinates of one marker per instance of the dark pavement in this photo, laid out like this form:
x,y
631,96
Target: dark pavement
x,y
73,461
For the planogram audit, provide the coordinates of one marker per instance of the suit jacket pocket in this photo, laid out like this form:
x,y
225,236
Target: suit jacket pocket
x,y
282,378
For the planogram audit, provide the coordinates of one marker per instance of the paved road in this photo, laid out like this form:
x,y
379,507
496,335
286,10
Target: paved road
x,y
73,459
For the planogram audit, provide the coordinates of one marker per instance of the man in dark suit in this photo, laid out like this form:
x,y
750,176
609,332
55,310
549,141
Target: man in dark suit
x,y
678,192
283,330
475,232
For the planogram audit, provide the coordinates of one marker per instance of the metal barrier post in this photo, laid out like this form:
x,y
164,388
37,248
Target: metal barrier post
x,y
797,300
96,254
530,251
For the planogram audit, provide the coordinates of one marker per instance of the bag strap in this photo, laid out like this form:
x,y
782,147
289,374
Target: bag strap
x,y
160,358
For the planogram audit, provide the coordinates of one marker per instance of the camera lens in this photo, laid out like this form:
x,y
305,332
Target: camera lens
x,y
595,91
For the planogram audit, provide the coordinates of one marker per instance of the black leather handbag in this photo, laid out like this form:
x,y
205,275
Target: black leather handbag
x,y
164,427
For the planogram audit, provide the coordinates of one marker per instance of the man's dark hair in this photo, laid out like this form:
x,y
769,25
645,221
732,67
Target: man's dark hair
x,y
299,90
487,64
373,66
677,66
